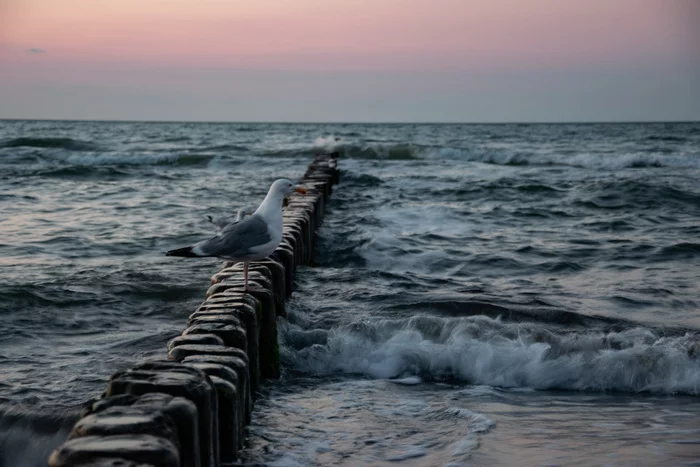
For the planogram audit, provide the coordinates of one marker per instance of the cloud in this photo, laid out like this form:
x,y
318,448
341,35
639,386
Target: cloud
x,y
35,51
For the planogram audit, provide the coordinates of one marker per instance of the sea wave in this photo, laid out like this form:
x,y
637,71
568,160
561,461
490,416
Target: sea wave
x,y
381,151
56,143
482,350
507,156
635,160
27,439
671,138
639,193
79,171
76,162
581,160
138,159
224,147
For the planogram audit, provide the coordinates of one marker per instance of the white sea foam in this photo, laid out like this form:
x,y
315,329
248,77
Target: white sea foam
x,y
506,155
465,446
410,381
328,142
512,156
481,350
477,423
583,160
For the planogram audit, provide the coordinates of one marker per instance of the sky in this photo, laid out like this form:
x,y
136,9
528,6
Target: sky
x,y
351,60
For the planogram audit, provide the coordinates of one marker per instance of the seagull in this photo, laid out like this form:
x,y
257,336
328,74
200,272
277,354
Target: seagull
x,y
248,239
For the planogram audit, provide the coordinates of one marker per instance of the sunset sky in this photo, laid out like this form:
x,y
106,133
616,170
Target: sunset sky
x,y
351,60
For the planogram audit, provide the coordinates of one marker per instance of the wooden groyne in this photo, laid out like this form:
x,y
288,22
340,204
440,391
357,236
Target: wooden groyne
x,y
190,408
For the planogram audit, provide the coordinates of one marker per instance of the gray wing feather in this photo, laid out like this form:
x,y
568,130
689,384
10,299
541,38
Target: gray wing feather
x,y
237,238
224,222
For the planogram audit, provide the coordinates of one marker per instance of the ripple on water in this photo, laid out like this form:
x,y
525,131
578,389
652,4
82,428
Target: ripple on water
x,y
344,422
506,257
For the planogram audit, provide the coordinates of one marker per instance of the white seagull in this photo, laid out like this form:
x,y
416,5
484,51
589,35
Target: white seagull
x,y
251,238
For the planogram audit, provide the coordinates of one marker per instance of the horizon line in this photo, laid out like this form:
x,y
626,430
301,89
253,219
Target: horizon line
x,y
340,122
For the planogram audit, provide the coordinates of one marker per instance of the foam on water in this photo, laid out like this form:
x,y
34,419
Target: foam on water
x,y
353,422
28,441
481,350
512,156
329,142
489,153
478,423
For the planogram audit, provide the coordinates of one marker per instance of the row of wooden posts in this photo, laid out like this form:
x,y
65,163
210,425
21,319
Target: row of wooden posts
x,y
190,409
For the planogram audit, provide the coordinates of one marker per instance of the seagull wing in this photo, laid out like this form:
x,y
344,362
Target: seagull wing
x,y
237,238
224,222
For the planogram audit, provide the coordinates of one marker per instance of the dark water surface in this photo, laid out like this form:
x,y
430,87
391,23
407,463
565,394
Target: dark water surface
x,y
482,294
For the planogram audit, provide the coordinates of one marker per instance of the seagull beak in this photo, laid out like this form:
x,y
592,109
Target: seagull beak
x,y
300,189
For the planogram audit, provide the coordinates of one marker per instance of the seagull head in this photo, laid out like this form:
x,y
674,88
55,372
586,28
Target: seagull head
x,y
284,188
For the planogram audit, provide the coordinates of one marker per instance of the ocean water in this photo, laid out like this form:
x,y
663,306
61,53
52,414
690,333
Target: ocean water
x,y
481,294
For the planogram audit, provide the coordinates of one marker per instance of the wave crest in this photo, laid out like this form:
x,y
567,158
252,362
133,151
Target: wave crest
x,y
581,160
506,156
481,350
392,152
381,151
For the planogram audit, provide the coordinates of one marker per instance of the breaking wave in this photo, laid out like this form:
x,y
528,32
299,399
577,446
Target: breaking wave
x,y
582,160
403,151
27,439
482,350
506,156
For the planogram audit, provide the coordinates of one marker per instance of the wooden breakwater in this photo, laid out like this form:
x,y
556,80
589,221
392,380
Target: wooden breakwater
x,y
190,408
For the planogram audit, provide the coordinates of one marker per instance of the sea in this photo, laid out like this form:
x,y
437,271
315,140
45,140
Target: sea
x,y
481,295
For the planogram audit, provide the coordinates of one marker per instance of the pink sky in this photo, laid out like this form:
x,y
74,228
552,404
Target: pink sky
x,y
177,45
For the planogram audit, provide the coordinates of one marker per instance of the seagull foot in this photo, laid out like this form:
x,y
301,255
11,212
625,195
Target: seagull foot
x,y
253,288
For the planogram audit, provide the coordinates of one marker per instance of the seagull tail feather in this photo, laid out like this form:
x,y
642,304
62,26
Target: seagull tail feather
x,y
184,252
